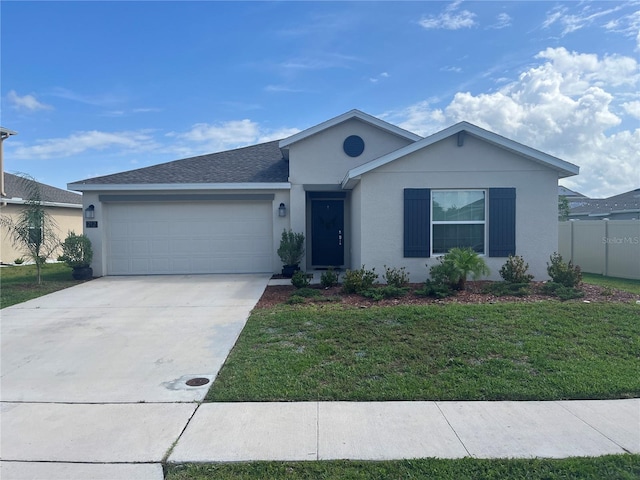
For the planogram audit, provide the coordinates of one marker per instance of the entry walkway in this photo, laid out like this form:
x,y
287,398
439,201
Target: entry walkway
x,y
232,432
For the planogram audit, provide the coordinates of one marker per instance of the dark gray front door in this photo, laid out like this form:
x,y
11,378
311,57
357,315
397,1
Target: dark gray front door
x,y
327,232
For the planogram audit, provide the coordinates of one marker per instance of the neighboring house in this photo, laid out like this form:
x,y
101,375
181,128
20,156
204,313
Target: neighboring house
x,y
625,206
572,196
65,208
364,192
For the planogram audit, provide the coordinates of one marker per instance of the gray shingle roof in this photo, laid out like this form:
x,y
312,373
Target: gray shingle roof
x,y
20,187
628,201
261,163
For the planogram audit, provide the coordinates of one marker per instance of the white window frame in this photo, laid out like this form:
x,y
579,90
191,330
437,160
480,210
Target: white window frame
x,y
465,222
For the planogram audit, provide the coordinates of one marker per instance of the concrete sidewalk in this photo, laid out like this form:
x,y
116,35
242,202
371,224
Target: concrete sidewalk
x,y
232,432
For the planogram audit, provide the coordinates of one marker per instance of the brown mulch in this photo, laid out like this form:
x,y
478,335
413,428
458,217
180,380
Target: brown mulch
x,y
278,294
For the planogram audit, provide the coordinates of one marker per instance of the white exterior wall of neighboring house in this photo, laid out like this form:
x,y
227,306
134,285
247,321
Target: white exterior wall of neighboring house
x,y
100,236
66,218
444,165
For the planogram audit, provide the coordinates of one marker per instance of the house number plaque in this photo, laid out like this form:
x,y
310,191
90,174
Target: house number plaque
x,y
91,224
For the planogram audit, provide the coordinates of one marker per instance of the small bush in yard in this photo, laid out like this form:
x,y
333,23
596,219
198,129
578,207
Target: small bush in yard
x,y
387,291
508,288
300,280
515,270
329,278
396,277
295,299
307,292
435,289
357,281
561,291
565,274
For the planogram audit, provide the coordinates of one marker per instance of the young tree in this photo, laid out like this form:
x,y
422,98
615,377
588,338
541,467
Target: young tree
x,y
563,208
33,230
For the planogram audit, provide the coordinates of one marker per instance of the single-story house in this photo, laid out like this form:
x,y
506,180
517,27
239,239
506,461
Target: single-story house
x,y
363,191
64,207
624,206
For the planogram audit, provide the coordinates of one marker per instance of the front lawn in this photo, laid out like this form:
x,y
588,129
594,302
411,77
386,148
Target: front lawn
x,y
611,283
619,467
505,351
19,283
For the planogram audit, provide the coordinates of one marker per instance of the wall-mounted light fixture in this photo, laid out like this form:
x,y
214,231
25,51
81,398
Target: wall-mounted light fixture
x,y
282,210
90,212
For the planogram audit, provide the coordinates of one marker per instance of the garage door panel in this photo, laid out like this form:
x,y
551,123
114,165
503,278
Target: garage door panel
x,y
206,237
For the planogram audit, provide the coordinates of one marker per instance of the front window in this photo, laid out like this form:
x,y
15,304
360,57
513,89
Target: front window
x,y
458,220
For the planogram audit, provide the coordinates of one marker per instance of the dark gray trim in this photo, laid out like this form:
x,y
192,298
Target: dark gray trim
x,y
327,195
186,197
314,187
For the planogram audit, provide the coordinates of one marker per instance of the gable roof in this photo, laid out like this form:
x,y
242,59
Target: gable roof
x,y
628,202
19,188
261,163
352,114
564,169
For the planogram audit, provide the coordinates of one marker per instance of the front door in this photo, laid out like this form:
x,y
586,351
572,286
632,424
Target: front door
x,y
327,232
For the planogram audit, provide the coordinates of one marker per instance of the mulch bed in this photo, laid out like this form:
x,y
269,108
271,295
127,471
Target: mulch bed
x,y
278,294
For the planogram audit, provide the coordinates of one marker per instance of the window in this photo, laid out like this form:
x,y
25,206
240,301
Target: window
x,y
458,220
437,220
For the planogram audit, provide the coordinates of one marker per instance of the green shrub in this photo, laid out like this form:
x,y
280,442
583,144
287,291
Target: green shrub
x,y
291,247
19,261
396,277
307,292
300,279
329,278
508,288
76,250
357,281
386,291
295,299
515,270
565,274
444,273
435,289
562,291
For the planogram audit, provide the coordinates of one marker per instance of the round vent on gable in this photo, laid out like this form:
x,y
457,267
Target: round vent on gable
x,y
353,146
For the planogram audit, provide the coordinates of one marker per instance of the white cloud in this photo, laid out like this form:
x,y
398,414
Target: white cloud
x,y
451,19
632,108
502,21
26,102
585,15
564,106
80,142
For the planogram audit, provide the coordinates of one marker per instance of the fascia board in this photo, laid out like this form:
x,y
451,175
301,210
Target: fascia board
x,y
12,201
95,187
284,143
565,169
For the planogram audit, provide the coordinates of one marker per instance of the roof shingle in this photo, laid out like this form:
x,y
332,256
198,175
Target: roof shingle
x,y
261,163
20,187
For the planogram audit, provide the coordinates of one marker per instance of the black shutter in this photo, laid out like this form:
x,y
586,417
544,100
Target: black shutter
x,y
502,222
417,222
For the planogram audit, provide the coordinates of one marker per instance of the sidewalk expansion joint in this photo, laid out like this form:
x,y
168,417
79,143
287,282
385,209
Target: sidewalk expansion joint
x,y
453,429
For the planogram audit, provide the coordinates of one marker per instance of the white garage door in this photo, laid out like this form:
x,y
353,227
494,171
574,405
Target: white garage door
x,y
203,237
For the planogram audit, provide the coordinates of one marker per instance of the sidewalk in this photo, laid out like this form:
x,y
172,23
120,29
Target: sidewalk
x,y
233,432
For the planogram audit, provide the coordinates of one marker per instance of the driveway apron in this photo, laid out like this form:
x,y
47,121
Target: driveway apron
x,y
98,372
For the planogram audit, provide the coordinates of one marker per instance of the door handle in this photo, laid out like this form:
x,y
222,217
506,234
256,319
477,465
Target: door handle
x,y
340,238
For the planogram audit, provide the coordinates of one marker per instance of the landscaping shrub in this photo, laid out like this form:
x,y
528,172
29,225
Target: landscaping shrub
x,y
295,299
396,277
306,292
565,274
19,261
561,291
435,289
387,291
515,270
357,281
508,288
300,280
329,278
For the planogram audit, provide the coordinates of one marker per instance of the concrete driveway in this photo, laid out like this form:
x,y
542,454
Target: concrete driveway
x,y
98,372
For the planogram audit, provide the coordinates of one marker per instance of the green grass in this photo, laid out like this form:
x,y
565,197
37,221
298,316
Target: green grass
x,y
627,285
19,284
534,351
611,467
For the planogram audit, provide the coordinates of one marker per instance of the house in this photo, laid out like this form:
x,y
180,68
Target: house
x,y
65,208
362,190
625,206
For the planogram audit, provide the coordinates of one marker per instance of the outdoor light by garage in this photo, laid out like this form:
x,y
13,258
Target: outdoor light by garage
x,y
282,210
90,212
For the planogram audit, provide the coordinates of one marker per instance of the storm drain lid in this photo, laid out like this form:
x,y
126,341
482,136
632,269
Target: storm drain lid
x,y
197,382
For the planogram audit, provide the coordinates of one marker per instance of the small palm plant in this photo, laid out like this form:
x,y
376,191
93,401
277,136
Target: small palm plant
x,y
465,262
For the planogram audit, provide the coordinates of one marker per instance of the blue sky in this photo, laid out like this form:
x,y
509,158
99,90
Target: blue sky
x,y
95,88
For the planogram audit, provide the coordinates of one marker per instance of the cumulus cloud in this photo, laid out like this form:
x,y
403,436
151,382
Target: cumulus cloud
x,y
26,102
80,142
452,18
565,106
207,138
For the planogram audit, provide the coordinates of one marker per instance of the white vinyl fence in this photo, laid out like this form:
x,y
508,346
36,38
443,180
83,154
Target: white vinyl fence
x,y
605,247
